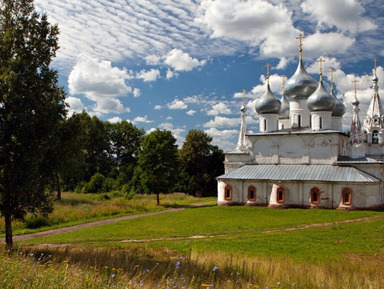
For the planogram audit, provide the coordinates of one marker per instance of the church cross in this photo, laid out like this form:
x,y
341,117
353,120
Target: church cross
x,y
321,68
375,63
243,91
300,37
355,82
267,66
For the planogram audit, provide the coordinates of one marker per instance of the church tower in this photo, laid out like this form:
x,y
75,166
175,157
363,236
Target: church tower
x,y
356,137
338,110
241,146
373,122
284,109
267,107
320,104
298,88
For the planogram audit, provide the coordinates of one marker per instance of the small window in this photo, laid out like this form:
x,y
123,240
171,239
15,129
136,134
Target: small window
x,y
320,122
265,124
280,195
375,136
347,196
315,196
228,193
299,120
252,193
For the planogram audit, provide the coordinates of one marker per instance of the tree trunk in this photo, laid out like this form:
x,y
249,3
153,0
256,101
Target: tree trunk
x,y
158,198
58,186
8,229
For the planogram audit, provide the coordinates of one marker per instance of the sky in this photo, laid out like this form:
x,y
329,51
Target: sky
x,y
183,64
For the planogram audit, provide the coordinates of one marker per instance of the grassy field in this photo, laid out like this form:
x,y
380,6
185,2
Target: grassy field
x,y
75,209
209,247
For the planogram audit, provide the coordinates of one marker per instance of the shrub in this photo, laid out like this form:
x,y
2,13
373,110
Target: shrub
x,y
95,185
36,221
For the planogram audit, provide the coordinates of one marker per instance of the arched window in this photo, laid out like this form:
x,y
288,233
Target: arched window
x,y
299,120
320,122
251,193
265,125
375,136
315,195
347,196
280,195
228,193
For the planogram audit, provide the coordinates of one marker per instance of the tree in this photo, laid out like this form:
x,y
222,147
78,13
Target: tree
x,y
158,162
201,162
31,108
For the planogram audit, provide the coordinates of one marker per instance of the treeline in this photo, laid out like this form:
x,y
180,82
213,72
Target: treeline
x,y
96,156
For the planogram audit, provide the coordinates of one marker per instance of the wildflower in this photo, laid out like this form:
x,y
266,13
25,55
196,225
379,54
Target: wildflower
x,y
214,268
25,280
147,270
278,283
113,275
177,265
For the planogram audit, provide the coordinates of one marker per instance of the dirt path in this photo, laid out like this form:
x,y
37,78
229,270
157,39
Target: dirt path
x,y
102,222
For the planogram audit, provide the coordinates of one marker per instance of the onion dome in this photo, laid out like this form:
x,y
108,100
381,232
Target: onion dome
x,y
301,85
321,100
268,103
284,109
339,108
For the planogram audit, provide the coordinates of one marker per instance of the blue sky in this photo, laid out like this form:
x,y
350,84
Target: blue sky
x,y
182,64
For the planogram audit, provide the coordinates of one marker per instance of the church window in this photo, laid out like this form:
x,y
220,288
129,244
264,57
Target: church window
x,y
365,136
315,195
251,193
265,124
320,122
299,120
375,136
347,196
228,193
280,195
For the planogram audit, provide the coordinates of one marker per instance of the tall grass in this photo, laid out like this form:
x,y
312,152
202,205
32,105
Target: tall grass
x,y
143,268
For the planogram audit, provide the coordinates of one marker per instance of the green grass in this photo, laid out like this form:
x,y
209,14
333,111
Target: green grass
x,y
81,208
243,247
241,230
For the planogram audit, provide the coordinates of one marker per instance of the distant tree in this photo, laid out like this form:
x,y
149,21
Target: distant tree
x,y
201,162
31,109
158,164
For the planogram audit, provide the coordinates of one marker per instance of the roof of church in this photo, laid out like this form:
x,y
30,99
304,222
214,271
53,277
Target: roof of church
x,y
297,131
325,173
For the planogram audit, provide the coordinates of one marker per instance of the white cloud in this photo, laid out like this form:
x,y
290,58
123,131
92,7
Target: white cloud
x,y
115,119
191,112
153,60
75,105
181,61
157,107
136,92
97,78
176,132
170,74
177,104
222,122
345,15
143,119
108,105
149,75
219,108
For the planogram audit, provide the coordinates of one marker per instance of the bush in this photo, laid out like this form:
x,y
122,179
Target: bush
x,y
36,221
95,185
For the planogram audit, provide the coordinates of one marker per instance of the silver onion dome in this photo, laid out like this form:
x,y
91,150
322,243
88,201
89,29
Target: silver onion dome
x,y
320,100
339,108
284,109
268,103
301,85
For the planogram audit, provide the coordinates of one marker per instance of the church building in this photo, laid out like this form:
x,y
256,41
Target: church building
x,y
301,157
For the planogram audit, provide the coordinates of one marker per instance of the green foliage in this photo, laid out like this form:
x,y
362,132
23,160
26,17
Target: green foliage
x,y
158,162
201,163
32,107
95,185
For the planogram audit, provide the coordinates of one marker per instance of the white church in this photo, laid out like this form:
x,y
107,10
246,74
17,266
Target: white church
x,y
301,157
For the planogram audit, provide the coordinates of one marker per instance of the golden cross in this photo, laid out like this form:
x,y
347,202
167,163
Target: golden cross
x,y
300,37
375,62
267,66
320,61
